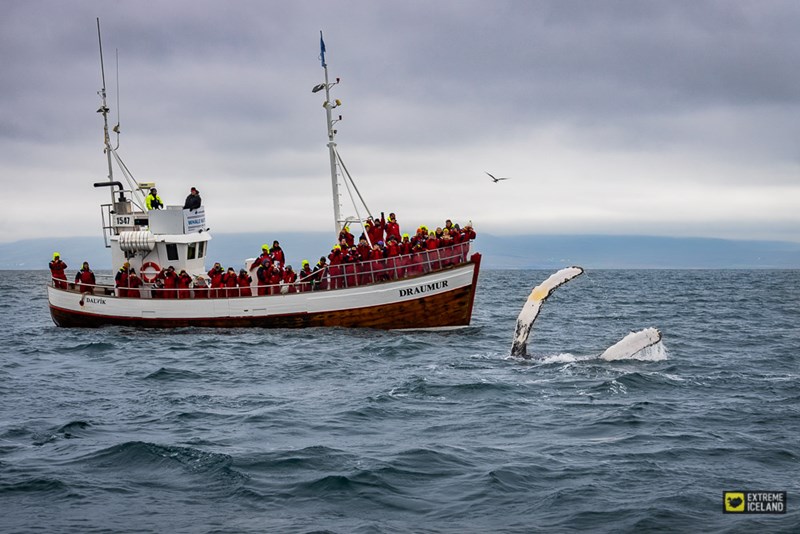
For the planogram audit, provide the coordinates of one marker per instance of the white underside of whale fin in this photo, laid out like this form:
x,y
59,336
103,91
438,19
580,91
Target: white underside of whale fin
x,y
530,311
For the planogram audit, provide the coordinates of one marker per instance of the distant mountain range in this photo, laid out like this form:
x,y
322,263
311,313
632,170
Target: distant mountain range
x,y
499,252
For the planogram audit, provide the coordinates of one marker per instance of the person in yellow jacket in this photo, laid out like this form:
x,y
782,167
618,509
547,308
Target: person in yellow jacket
x,y
153,201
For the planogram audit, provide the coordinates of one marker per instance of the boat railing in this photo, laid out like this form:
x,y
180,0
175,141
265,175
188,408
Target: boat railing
x,y
332,277
123,215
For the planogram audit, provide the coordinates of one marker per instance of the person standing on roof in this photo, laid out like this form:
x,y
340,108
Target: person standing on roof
x,y
57,268
193,201
153,201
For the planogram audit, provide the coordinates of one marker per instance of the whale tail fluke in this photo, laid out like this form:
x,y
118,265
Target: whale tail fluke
x,y
632,344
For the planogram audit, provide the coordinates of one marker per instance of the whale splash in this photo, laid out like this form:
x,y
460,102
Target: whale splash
x,y
634,345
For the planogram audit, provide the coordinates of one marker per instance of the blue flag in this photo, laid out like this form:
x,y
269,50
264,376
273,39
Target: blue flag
x,y
321,50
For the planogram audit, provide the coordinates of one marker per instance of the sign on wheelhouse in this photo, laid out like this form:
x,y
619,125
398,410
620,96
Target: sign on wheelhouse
x,y
423,287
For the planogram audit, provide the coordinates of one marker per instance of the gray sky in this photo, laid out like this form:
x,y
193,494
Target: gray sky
x,y
675,118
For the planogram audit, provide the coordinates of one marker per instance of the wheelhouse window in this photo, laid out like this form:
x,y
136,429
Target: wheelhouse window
x,y
202,249
191,253
172,252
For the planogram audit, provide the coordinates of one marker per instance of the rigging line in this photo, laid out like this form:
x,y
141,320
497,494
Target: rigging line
x,y
355,207
135,192
347,174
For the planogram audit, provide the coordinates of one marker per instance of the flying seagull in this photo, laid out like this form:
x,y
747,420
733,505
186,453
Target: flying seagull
x,y
496,179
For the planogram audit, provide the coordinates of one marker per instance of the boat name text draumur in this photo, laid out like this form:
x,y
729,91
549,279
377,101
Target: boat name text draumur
x,y
423,289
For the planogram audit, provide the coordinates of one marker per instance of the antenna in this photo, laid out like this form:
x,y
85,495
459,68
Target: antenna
x,y
104,110
116,128
102,66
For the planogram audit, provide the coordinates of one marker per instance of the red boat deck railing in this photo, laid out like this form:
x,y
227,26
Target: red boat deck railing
x,y
339,276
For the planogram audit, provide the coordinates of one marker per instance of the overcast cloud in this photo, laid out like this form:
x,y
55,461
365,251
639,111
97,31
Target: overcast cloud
x,y
629,117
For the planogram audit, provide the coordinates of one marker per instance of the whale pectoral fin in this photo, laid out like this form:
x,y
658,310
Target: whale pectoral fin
x,y
533,305
632,344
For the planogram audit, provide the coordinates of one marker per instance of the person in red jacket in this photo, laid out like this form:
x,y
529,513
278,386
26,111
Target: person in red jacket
x,y
406,246
334,267
289,279
244,282
85,279
392,253
362,261
262,275
184,285
467,235
375,229
121,279
431,244
170,280
405,256
264,255
305,277
392,228
274,280
57,268
277,254
215,275
230,280
200,288
134,283
447,253
415,262
349,239
376,264
320,275
349,258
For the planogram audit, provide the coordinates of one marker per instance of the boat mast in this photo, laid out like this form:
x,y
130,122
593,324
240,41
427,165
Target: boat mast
x,y
329,106
104,110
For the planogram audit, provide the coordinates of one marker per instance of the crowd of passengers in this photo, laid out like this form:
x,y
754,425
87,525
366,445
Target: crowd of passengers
x,y
390,256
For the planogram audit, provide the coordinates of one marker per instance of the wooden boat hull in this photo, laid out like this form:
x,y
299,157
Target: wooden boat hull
x,y
440,299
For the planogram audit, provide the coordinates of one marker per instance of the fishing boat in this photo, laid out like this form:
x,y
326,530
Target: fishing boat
x,y
430,288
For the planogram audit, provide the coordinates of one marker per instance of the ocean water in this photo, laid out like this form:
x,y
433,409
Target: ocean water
x,y
362,431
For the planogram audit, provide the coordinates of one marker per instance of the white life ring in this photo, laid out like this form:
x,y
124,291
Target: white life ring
x,y
145,267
